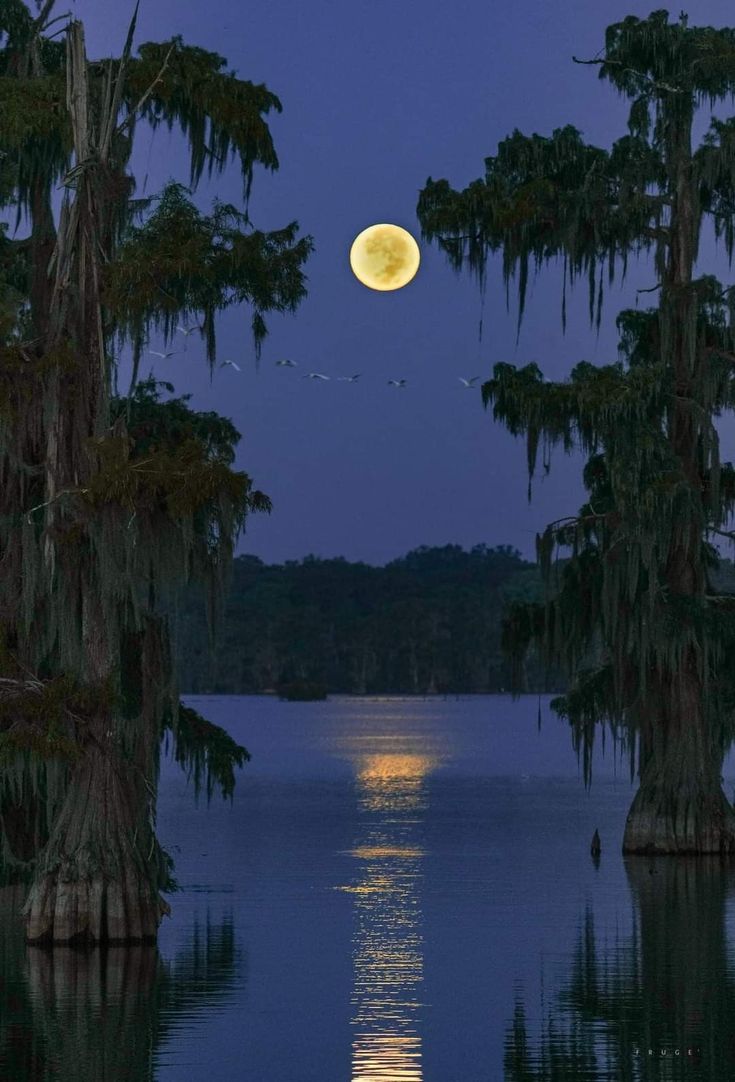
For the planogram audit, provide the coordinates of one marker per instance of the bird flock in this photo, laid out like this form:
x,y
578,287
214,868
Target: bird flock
x,y
467,383
186,331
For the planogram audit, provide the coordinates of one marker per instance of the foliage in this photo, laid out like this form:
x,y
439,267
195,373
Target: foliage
x,y
181,262
44,718
207,753
428,622
632,616
110,505
222,116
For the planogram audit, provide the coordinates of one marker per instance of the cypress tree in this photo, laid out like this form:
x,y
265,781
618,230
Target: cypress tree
x,y
109,504
633,616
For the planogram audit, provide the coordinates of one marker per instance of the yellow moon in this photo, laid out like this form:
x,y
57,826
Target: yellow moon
x,y
384,257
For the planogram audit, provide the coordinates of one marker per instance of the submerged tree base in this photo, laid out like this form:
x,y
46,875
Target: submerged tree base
x,y
93,882
85,912
697,823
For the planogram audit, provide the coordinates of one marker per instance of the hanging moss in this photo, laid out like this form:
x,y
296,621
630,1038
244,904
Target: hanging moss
x,y
183,262
220,114
110,505
48,719
628,613
207,753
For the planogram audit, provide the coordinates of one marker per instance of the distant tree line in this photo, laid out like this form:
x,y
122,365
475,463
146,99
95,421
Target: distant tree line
x,y
429,622
426,623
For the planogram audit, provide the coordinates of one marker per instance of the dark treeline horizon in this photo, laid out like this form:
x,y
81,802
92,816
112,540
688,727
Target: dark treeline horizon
x,y
428,622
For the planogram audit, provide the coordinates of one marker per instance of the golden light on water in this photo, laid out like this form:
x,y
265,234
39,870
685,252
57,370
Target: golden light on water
x,y
388,1058
392,780
386,888
384,257
378,852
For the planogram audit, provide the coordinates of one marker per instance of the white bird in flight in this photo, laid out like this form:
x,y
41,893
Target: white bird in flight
x,y
186,331
233,365
315,375
469,382
156,353
396,383
286,364
349,379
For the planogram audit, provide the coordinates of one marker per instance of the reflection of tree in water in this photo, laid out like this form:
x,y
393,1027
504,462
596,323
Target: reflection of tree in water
x,y
670,986
73,1015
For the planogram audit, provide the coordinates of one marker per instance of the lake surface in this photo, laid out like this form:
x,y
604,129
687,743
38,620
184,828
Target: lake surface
x,y
402,891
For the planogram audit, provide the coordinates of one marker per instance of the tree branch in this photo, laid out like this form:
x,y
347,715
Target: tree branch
x,y
576,519
658,233
40,21
146,95
114,105
66,15
640,74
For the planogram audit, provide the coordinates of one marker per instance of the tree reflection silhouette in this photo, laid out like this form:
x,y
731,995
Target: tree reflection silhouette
x,y
660,1005
102,1014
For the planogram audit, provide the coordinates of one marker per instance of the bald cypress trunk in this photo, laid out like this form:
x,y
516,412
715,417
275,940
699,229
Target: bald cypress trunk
x,y
99,874
680,806
42,242
97,877
94,878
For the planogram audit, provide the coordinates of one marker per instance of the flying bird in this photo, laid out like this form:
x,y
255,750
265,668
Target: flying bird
x,y
469,382
286,364
349,379
315,375
396,383
156,353
233,365
186,331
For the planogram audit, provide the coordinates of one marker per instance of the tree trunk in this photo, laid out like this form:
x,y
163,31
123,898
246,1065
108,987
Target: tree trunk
x,y
43,242
100,871
98,876
680,806
95,878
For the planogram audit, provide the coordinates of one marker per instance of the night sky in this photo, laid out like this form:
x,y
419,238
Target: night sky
x,y
376,98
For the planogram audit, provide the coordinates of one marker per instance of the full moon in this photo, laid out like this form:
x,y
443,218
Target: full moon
x,y
384,257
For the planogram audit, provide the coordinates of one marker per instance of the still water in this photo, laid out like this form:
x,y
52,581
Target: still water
x,y
402,891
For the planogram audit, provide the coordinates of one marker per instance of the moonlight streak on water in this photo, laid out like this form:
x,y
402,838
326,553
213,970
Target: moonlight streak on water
x,y
388,940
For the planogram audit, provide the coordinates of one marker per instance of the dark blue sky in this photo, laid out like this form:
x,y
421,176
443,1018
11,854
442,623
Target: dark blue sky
x,y
377,97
